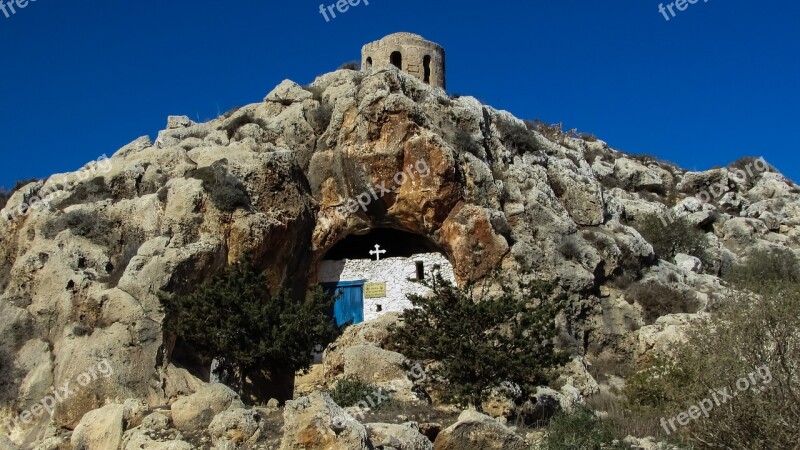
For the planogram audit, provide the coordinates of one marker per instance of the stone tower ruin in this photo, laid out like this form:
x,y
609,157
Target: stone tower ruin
x,y
410,53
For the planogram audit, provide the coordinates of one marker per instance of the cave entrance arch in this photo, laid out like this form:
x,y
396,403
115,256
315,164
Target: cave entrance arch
x,y
396,58
386,282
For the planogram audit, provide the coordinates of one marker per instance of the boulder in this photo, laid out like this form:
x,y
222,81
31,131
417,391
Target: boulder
x,y
770,185
576,373
373,364
237,425
578,191
195,412
636,176
688,263
374,332
179,382
174,122
660,338
315,422
476,431
100,429
288,92
742,232
712,182
155,422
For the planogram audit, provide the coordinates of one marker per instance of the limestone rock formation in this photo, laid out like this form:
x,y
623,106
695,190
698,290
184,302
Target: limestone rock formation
x,y
82,271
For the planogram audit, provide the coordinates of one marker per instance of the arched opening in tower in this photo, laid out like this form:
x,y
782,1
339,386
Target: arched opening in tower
x,y
369,62
426,64
374,273
396,59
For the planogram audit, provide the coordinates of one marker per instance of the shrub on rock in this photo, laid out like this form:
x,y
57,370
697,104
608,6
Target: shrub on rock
x,y
480,339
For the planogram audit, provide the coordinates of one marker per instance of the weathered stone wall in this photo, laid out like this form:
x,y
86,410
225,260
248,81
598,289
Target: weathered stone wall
x,y
397,273
414,49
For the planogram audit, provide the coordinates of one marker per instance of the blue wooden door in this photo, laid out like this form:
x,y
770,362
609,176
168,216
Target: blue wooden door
x,y
349,306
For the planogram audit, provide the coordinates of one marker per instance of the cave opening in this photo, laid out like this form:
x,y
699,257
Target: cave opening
x,y
396,243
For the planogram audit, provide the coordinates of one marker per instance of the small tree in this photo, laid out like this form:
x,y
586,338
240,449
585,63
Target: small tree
x,y
480,340
234,318
680,236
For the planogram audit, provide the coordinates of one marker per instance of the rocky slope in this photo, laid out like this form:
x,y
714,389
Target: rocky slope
x,y
80,278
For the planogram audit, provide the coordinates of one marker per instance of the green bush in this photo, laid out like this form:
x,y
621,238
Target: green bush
x,y
481,339
321,117
94,190
225,190
464,141
349,391
350,65
90,225
520,138
570,247
235,316
659,300
765,267
580,430
669,239
659,385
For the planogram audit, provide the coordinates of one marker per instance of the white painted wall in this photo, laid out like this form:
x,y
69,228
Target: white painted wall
x,y
395,272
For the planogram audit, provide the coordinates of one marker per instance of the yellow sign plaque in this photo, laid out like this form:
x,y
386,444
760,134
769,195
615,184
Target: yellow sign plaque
x,y
375,290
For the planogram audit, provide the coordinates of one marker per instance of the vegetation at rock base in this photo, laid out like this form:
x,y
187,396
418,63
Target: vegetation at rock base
x,y
479,339
764,267
349,391
756,334
659,300
235,316
580,429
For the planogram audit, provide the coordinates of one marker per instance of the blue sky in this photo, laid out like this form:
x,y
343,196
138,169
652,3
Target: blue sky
x,y
717,82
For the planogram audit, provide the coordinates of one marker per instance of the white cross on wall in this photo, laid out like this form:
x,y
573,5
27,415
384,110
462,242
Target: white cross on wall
x,y
377,252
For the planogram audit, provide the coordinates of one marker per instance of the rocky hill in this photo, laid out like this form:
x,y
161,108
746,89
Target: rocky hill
x,y
81,272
